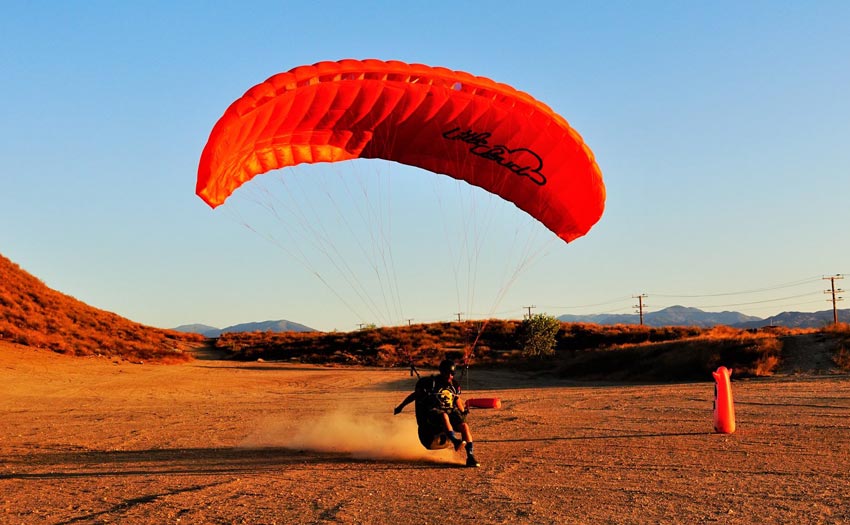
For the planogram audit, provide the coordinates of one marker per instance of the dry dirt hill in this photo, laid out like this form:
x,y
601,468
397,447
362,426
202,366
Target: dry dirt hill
x,y
34,315
812,354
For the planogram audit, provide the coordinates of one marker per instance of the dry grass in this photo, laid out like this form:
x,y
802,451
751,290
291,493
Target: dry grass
x,y
32,314
841,332
683,354
583,351
423,344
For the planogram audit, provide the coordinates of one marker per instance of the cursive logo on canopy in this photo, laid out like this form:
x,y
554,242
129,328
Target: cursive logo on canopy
x,y
521,161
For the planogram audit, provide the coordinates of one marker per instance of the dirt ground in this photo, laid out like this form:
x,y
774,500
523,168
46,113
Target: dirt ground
x,y
92,440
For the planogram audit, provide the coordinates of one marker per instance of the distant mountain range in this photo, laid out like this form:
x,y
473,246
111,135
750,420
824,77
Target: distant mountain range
x,y
685,316
263,326
672,316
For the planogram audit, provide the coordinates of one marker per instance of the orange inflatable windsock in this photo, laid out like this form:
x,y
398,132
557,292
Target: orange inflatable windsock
x,y
724,407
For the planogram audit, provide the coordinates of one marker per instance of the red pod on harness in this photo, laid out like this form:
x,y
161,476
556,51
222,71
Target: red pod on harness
x,y
484,402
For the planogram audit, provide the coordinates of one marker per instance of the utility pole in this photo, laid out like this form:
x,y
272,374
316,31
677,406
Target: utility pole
x,y
529,310
834,291
640,305
458,314
409,322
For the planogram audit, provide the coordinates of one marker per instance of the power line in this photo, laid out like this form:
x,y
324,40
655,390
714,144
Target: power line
x,y
833,291
640,305
758,302
800,282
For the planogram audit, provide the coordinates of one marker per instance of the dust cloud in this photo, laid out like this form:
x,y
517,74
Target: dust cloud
x,y
361,436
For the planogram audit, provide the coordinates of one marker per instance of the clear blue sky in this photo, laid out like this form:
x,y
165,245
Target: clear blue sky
x,y
722,130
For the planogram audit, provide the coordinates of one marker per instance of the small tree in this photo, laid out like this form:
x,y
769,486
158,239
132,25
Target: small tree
x,y
537,335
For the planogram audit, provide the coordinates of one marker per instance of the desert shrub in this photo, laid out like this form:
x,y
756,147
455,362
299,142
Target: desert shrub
x,y
685,358
722,332
663,361
769,351
388,355
842,358
837,329
766,365
841,333
537,335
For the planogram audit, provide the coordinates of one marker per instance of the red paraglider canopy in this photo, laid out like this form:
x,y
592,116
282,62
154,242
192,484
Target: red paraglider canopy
x,y
471,128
